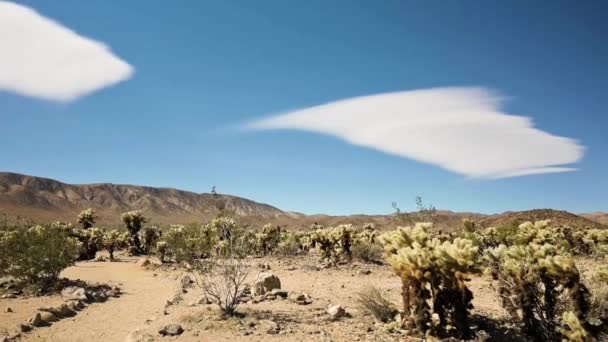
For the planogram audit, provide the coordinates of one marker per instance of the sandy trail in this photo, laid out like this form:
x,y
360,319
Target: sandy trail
x,y
144,296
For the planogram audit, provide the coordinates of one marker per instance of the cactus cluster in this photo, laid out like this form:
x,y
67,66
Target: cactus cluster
x,y
537,278
334,243
432,271
134,221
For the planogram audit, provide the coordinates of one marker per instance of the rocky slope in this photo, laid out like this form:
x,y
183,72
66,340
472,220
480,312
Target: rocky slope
x,y
43,200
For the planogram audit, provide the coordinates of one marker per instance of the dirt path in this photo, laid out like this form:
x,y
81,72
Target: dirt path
x,y
144,296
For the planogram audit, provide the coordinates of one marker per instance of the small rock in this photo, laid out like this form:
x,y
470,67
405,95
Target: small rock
x,y
64,310
265,282
36,320
300,298
24,327
4,339
335,311
48,317
204,300
279,293
364,272
171,330
270,296
186,281
8,296
8,309
143,262
100,258
264,266
268,326
74,292
99,296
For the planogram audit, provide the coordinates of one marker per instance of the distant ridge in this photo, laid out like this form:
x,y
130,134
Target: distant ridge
x,y
41,199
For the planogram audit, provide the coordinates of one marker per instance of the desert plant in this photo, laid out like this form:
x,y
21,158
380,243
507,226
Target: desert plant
x,y
368,252
222,277
538,280
134,221
335,243
161,249
431,270
149,237
113,240
37,254
268,239
87,218
372,301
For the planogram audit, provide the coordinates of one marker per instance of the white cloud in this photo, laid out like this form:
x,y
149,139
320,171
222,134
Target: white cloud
x,y
41,58
460,129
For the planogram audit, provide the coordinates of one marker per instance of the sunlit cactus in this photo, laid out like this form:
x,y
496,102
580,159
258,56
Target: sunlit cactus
x,y
134,221
149,236
432,270
87,218
161,248
113,240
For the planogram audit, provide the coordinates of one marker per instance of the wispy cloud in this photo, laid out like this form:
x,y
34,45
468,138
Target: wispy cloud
x,y
460,129
41,58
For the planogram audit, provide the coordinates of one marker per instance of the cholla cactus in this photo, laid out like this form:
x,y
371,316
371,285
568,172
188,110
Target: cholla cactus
x,y
334,242
149,236
268,239
531,278
161,248
431,269
224,227
87,218
134,221
113,240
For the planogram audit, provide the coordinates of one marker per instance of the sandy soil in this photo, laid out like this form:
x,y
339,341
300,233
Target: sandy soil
x,y
139,313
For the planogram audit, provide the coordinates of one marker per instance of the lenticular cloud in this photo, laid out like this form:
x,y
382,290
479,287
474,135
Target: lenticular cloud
x,y
41,58
459,129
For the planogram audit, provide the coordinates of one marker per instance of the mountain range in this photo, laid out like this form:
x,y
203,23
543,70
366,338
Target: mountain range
x,y
37,199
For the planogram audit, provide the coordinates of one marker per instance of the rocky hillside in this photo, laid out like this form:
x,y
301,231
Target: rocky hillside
x,y
42,199
597,216
558,217
45,200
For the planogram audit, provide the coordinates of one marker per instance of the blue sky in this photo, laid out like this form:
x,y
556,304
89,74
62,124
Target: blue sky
x,y
203,69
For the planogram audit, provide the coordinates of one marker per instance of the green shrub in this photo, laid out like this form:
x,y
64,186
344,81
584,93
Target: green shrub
x,y
38,254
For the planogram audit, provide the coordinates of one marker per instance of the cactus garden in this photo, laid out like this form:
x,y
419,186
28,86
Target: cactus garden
x,y
223,280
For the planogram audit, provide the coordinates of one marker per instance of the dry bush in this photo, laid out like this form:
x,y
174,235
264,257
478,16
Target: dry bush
x,y
222,281
368,252
372,301
222,277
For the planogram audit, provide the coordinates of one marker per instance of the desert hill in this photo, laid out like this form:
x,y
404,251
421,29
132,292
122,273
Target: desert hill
x,y
40,199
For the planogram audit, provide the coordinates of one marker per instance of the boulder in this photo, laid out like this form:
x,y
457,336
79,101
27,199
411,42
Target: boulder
x,y
171,330
335,311
265,282
75,293
36,320
48,317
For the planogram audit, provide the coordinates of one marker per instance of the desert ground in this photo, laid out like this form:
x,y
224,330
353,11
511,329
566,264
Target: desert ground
x,y
153,297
